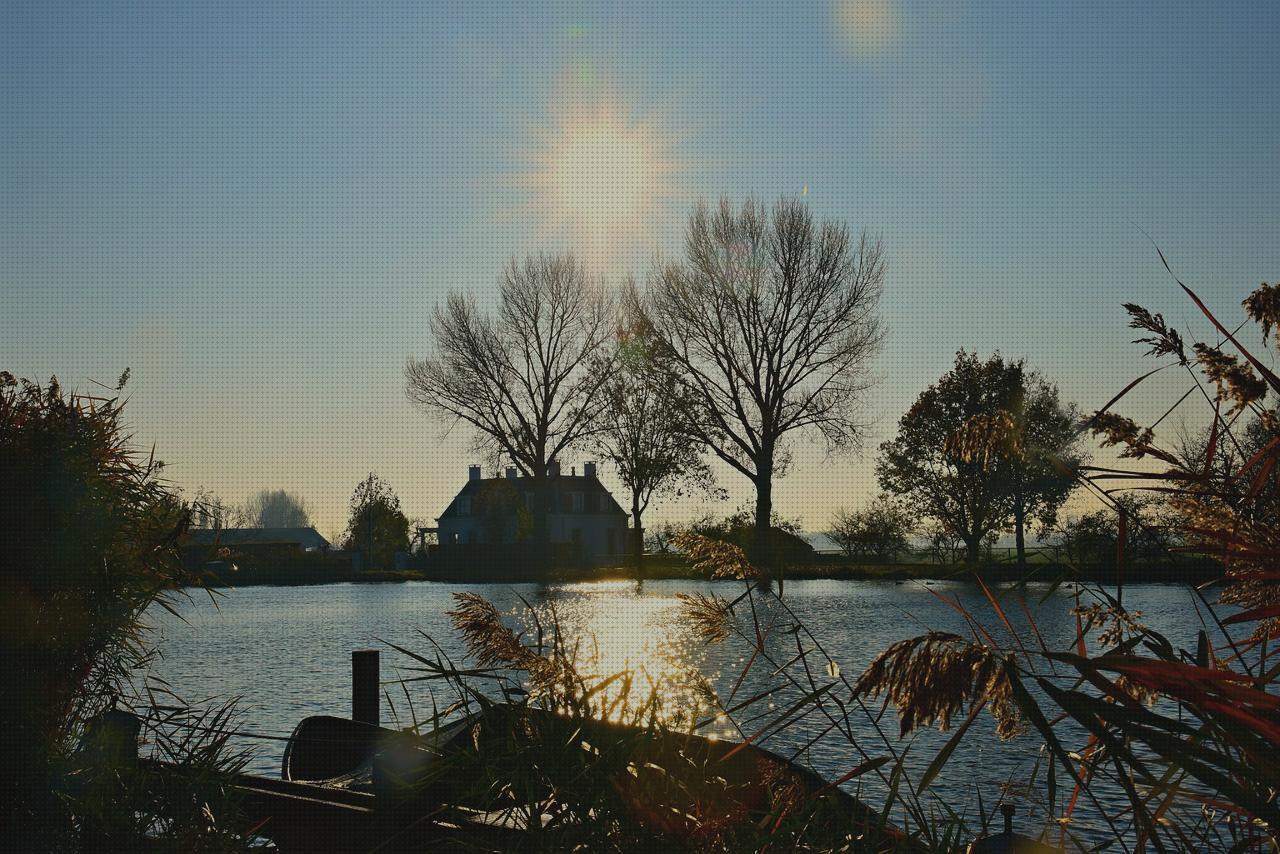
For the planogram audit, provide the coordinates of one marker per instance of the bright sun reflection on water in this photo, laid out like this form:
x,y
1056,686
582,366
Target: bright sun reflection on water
x,y
639,636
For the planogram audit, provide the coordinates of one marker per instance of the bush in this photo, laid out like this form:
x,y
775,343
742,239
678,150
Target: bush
x,y
1091,541
738,529
878,531
89,541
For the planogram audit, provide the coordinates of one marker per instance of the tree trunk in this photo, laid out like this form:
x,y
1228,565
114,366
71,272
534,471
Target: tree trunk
x,y
762,551
541,557
637,545
972,549
1019,531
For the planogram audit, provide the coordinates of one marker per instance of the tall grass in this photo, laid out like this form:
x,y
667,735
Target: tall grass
x,y
577,756
1188,736
90,541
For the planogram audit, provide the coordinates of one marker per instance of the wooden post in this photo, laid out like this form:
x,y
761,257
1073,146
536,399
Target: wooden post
x,y
365,687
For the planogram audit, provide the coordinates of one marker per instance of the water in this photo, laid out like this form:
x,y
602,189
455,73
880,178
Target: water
x,y
286,652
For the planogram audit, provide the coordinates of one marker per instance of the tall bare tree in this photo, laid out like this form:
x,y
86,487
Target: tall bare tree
x,y
768,325
525,379
641,433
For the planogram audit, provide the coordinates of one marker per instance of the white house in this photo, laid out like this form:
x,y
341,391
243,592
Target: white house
x,y
499,510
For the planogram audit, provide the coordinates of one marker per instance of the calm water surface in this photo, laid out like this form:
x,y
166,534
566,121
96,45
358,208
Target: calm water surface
x,y
286,652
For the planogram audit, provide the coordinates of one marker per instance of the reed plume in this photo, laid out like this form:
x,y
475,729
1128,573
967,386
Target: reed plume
x,y
932,677
720,559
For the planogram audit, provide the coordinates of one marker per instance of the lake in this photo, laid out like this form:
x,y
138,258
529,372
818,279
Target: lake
x,y
286,652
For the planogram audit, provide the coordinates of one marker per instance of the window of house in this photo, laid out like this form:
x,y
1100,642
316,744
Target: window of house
x,y
464,505
578,502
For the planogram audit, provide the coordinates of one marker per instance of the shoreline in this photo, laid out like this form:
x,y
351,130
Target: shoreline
x,y
665,569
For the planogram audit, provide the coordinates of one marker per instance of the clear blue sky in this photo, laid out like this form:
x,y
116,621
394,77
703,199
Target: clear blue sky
x,y
256,205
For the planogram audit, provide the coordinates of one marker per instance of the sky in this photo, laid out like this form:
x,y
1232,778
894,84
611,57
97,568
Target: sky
x,y
256,206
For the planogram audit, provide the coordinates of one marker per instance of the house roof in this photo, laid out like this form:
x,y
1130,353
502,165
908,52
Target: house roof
x,y
507,494
306,538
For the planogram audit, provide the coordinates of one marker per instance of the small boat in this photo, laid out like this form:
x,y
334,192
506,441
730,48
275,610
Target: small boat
x,y
509,774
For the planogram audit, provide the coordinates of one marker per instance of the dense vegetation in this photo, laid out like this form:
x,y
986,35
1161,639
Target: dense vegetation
x,y
90,541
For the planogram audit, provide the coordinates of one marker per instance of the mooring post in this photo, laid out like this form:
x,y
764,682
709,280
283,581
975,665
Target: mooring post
x,y
365,686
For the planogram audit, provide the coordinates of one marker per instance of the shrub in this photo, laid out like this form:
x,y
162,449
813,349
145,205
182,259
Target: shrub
x,y
878,531
738,529
90,540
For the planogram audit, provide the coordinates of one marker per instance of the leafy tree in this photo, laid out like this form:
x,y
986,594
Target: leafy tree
x,y
1151,532
640,431
376,526
526,380
877,531
987,446
1043,458
767,327
275,509
968,497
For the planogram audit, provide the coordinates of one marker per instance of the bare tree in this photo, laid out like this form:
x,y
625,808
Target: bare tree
x,y
526,379
211,512
275,509
768,325
641,433
878,530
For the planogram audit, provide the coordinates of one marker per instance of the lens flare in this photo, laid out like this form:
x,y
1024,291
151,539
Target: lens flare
x,y
600,175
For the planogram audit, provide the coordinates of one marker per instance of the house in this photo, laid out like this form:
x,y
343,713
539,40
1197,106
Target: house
x,y
251,552
501,510
302,539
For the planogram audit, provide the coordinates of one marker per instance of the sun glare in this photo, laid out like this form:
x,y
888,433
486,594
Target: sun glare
x,y
865,27
599,176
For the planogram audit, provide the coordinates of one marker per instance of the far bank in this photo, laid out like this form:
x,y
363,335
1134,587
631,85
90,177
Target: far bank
x,y
1190,569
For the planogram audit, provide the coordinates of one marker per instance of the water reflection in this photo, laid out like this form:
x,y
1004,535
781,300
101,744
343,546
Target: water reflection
x,y
617,632
287,650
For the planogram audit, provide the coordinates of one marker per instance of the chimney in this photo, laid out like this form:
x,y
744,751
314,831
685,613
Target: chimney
x,y
553,469
511,472
473,472
589,469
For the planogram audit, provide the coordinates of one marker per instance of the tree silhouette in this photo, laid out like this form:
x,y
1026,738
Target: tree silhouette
x,y
526,380
275,509
988,445
767,326
641,433
376,525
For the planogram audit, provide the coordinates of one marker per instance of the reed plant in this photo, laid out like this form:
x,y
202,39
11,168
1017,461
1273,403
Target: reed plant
x,y
1186,737
1142,744
90,535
